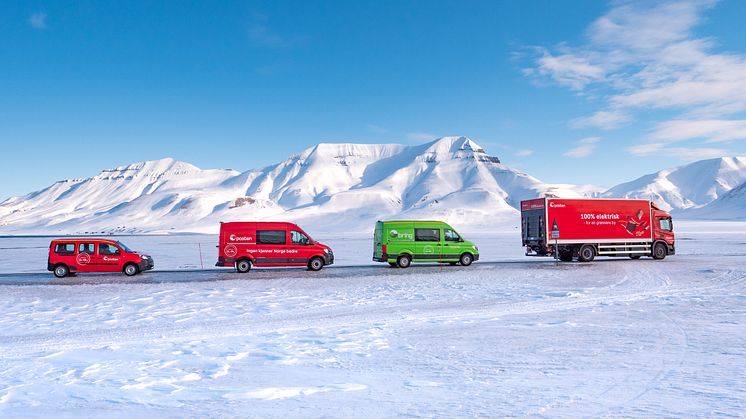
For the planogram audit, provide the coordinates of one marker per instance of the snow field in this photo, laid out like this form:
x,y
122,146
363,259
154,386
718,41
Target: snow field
x,y
615,337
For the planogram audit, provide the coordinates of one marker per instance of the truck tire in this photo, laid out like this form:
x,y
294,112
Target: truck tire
x,y
403,261
466,259
659,251
130,269
587,253
315,264
61,271
243,265
565,255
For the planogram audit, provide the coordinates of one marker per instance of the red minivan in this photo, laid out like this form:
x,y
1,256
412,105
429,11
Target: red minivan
x,y
94,255
261,243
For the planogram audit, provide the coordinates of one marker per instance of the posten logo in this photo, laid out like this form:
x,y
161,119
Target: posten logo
x,y
234,238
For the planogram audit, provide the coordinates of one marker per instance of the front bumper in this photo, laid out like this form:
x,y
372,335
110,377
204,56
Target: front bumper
x,y
328,258
146,264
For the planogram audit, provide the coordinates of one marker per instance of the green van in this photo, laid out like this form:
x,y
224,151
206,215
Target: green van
x,y
402,242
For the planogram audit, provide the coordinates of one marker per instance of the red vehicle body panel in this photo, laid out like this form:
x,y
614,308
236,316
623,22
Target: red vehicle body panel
x,y
262,243
599,219
94,255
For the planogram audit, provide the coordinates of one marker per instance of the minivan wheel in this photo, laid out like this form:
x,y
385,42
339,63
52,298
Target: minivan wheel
x,y
61,271
659,251
403,261
315,264
243,266
130,269
587,253
466,259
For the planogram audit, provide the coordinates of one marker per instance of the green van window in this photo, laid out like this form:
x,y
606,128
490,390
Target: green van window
x,y
426,235
451,236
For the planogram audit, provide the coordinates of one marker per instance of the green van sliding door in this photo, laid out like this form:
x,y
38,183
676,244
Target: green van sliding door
x,y
427,243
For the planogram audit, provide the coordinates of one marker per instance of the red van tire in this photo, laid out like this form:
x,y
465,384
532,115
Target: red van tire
x,y
61,271
130,269
243,265
403,261
315,264
466,259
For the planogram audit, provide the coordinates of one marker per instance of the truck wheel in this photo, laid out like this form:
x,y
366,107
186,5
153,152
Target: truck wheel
x,y
659,251
315,264
243,266
466,259
587,253
403,261
130,269
61,271
635,257
565,255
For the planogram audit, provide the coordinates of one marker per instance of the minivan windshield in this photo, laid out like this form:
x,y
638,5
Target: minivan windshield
x,y
124,247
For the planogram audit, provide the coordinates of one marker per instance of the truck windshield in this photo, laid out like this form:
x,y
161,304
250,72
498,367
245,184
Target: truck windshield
x,y
124,247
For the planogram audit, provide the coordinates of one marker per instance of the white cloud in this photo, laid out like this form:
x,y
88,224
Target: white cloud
x,y
683,153
601,119
420,136
38,20
377,129
524,152
642,56
711,130
584,149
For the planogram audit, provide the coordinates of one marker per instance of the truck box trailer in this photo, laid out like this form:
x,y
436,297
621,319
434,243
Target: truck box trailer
x,y
586,228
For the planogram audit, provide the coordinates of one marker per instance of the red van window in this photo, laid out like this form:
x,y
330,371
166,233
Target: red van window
x,y
64,248
299,238
86,248
270,237
107,249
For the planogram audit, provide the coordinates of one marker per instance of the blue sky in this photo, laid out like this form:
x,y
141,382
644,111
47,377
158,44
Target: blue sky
x,y
576,91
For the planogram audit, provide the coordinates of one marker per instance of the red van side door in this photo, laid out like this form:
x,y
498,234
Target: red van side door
x,y
271,247
109,257
86,258
300,249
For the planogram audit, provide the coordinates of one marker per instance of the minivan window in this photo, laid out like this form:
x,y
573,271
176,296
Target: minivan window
x,y
107,249
451,236
299,238
666,224
64,248
124,247
270,237
426,235
86,248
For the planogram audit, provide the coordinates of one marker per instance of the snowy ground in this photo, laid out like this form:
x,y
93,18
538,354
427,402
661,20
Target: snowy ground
x,y
508,336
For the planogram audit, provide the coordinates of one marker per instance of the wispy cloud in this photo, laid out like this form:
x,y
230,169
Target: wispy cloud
x,y
376,129
585,148
644,56
683,153
262,35
420,136
524,152
38,20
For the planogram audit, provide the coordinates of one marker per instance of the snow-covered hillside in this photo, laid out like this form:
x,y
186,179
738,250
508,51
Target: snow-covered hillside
x,y
691,186
330,186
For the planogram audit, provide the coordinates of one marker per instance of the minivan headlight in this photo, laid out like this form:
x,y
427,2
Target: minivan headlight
x,y
327,250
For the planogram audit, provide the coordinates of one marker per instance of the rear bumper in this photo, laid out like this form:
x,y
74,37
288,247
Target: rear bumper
x,y
225,261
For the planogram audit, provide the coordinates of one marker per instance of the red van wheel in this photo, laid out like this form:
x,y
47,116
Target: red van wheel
x,y
243,266
315,264
61,271
130,269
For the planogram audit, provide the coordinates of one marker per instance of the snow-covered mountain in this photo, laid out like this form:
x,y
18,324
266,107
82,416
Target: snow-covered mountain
x,y
334,187
686,187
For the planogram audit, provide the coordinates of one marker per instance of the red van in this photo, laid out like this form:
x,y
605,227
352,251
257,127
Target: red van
x,y
94,255
247,244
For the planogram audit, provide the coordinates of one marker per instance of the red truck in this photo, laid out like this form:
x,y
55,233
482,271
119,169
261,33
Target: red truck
x,y
70,256
261,243
586,228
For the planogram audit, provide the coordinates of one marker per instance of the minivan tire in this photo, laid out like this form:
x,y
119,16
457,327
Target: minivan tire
x,y
659,251
130,269
587,253
243,266
315,264
403,261
61,271
466,259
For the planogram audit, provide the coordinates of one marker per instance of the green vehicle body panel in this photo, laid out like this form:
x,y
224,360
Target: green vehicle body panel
x,y
417,239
